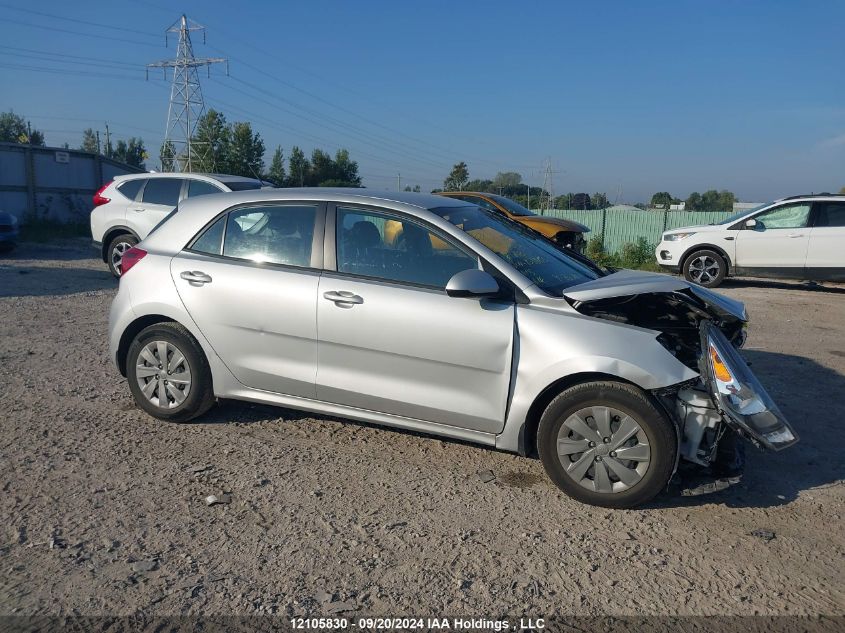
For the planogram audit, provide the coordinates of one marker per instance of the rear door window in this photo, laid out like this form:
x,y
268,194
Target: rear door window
x,y
164,191
275,234
830,214
130,188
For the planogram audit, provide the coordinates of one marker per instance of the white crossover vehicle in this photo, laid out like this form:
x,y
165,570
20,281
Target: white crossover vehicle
x,y
436,315
801,237
127,208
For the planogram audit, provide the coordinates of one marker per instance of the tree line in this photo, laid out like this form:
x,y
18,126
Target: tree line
x,y
710,200
234,148
509,184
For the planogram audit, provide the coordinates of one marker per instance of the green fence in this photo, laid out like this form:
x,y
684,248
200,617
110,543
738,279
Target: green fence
x,y
622,225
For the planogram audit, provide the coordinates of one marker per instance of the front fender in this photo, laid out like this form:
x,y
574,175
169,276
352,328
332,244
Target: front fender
x,y
558,344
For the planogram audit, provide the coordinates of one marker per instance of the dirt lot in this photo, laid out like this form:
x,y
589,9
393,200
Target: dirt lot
x,y
105,510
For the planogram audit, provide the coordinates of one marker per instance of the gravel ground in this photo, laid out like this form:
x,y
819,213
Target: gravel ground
x,y
106,515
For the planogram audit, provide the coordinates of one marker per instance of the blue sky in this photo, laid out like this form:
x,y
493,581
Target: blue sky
x,y
634,97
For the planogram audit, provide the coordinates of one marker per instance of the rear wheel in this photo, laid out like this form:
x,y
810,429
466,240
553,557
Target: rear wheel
x,y
168,373
117,247
606,444
706,268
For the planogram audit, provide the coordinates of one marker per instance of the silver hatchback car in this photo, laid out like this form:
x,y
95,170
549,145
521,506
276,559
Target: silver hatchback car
x,y
439,316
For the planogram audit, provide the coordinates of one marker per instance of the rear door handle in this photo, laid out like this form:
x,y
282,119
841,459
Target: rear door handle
x,y
343,297
195,277
139,209
795,235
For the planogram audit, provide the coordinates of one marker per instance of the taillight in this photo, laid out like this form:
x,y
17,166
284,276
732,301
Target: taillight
x,y
130,258
99,198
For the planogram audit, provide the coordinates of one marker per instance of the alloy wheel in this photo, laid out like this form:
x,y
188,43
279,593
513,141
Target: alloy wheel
x,y
117,255
163,374
603,449
703,269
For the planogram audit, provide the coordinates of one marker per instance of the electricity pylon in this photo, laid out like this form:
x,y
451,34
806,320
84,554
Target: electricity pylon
x,y
546,204
179,151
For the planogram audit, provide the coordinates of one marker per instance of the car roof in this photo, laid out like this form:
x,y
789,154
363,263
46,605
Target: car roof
x,y
360,195
813,196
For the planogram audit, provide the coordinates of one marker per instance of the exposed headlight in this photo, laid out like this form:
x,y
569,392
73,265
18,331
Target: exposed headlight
x,y
738,393
674,237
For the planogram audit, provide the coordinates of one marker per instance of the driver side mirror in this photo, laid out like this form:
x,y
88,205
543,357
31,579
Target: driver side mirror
x,y
472,283
751,223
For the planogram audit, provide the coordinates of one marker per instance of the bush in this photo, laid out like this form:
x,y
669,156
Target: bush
x,y
637,255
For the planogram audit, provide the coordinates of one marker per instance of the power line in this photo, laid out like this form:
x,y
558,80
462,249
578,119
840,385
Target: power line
x,y
99,36
85,22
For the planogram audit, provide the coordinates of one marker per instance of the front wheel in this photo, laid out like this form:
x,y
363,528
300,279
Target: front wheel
x,y
706,268
607,444
168,373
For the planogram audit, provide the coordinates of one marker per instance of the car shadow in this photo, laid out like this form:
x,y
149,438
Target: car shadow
x,y
30,279
804,390
755,282
807,394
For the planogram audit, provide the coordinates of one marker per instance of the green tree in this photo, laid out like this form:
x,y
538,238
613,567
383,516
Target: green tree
x,y
661,200
167,156
15,129
210,144
458,177
131,152
89,141
506,180
246,152
600,201
693,202
581,201
298,167
276,175
346,170
322,168
710,200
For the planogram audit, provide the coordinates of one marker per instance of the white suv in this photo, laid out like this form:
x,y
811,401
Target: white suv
x,y
801,237
127,208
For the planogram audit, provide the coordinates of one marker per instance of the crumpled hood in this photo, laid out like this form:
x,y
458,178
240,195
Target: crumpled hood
x,y
664,303
624,283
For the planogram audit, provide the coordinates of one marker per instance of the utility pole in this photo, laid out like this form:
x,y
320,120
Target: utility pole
x,y
98,142
180,152
398,181
108,142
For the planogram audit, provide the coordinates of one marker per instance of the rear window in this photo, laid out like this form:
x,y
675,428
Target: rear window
x,y
242,185
163,191
130,188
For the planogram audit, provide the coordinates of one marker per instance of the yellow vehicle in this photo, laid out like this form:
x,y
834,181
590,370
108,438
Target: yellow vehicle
x,y
564,233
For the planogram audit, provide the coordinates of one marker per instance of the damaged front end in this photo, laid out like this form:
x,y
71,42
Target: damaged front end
x,y
703,330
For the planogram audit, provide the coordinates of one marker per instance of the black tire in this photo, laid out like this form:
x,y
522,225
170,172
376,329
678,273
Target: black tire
x,y
120,243
712,266
631,401
200,396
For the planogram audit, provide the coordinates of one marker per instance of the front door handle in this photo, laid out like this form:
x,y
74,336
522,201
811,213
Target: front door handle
x,y
195,277
795,235
139,209
343,297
